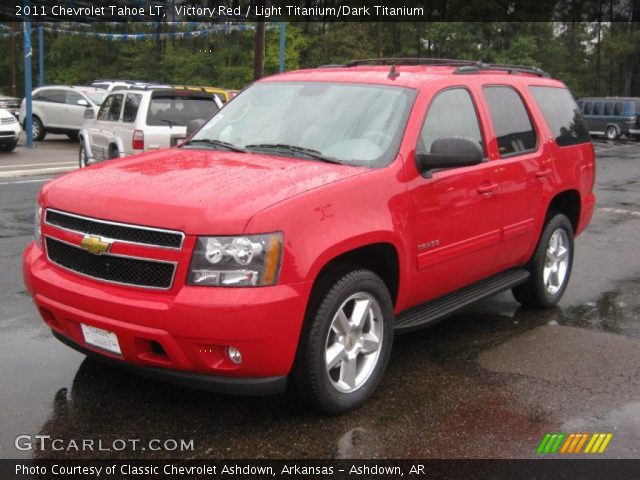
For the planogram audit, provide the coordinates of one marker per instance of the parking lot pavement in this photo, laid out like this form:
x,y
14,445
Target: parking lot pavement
x,y
488,382
56,153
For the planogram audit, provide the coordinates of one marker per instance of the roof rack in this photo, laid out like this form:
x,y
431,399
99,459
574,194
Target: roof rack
x,y
464,66
410,61
480,66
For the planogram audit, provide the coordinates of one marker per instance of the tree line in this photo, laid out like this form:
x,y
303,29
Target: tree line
x,y
599,57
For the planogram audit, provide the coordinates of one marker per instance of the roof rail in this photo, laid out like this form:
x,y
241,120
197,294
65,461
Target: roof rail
x,y
410,61
464,66
480,66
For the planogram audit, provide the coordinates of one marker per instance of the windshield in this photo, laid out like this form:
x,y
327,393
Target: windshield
x,y
353,124
97,97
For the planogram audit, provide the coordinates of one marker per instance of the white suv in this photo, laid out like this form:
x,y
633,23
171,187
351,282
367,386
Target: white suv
x,y
9,131
60,109
133,121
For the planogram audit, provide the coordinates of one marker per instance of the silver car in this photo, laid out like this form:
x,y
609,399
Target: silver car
x,y
61,109
134,121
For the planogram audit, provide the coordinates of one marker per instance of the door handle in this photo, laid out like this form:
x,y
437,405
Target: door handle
x,y
543,174
487,189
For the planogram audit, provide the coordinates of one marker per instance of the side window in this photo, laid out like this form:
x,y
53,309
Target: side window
x,y
103,114
617,108
588,108
608,108
53,95
131,104
115,108
72,98
511,121
562,115
451,114
597,108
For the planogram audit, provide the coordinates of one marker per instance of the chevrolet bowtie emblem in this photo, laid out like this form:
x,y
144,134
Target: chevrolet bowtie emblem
x,y
96,245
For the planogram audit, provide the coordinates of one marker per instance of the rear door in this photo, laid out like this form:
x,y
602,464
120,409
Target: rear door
x,y
49,106
522,163
73,116
103,129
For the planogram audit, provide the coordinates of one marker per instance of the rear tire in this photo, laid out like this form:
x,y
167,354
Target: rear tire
x,y
82,155
8,147
550,267
346,343
612,133
113,152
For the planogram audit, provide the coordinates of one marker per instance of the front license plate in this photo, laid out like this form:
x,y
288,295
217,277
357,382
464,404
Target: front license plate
x,y
101,338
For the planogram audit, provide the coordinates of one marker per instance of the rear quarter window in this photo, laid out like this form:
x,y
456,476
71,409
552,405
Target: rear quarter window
x,y
562,115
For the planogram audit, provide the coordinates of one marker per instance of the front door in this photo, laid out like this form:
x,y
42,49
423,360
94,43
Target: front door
x,y
456,212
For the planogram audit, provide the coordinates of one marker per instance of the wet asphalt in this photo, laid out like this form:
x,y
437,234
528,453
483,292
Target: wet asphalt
x,y
486,383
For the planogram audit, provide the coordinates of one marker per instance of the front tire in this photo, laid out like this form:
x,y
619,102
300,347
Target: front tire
x,y
550,267
37,129
8,147
346,343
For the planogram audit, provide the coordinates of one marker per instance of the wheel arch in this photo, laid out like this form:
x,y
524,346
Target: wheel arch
x,y
568,203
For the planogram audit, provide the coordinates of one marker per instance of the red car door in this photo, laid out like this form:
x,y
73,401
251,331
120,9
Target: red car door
x,y
456,213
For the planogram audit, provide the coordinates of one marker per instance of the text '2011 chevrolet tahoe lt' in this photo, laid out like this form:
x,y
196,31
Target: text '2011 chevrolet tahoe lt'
x,y
317,214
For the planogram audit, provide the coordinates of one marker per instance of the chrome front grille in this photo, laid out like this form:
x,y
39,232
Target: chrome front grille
x,y
109,267
116,231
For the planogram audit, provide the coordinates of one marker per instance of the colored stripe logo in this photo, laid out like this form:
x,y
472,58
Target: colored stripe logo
x,y
573,443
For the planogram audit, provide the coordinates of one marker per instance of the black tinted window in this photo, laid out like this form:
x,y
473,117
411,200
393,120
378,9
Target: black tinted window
x,y
451,114
597,108
131,104
511,121
588,108
562,115
168,109
608,108
114,109
617,108
103,114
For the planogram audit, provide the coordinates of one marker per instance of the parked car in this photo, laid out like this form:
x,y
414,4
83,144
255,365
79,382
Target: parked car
x,y
221,93
612,116
110,85
12,104
133,121
9,131
60,109
320,212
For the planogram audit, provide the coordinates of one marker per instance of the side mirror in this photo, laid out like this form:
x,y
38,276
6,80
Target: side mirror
x,y
194,125
82,102
450,152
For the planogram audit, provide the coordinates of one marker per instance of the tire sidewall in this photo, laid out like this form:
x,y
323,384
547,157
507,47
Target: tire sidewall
x,y
312,363
614,129
558,221
82,155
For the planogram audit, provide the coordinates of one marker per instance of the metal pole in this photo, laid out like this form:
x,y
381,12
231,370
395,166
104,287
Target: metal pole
x,y
40,56
27,77
283,34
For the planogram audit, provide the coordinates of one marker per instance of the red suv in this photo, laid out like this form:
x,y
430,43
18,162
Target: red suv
x,y
317,214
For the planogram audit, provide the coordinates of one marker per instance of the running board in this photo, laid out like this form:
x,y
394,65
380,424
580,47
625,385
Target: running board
x,y
439,308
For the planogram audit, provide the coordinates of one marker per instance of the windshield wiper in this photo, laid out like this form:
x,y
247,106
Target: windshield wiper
x,y
308,152
167,121
217,143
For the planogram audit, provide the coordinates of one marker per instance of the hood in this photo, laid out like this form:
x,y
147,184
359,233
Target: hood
x,y
196,191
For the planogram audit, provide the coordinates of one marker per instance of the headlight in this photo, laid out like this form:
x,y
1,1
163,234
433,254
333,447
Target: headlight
x,y
38,226
248,260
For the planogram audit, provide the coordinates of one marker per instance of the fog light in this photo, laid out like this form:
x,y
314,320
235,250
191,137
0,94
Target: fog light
x,y
234,355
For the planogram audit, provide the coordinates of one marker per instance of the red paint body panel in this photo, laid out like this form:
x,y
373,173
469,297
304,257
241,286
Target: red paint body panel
x,y
457,227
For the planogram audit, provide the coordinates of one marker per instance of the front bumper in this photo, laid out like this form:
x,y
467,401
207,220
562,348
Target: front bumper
x,y
9,133
180,337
